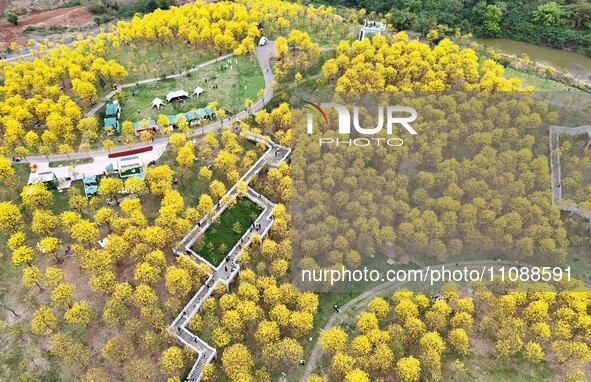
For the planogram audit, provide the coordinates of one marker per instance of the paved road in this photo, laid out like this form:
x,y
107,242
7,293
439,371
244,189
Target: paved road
x,y
263,54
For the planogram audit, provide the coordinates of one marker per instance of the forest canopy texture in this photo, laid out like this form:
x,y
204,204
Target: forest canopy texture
x,y
475,180
558,24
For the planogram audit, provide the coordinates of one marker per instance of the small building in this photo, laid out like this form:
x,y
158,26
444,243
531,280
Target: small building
x,y
113,110
177,95
126,167
371,27
90,185
48,178
131,166
145,125
112,126
194,115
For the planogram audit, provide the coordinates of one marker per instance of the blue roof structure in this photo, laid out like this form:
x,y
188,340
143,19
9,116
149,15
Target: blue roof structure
x,y
191,115
137,125
111,122
112,109
89,179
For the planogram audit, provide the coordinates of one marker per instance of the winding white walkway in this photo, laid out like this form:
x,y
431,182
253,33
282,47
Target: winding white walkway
x,y
565,205
226,271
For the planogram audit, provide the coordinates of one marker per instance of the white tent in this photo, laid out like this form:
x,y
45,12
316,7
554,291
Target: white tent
x,y
198,90
177,94
157,102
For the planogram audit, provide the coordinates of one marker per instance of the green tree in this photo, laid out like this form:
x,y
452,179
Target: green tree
x,y
492,20
549,14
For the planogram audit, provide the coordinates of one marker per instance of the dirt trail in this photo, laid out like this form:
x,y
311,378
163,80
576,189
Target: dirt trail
x,y
67,17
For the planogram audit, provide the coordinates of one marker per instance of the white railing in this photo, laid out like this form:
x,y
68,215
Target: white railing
x,y
178,328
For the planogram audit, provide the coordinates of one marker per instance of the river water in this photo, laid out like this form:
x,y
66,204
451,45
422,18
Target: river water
x,y
578,64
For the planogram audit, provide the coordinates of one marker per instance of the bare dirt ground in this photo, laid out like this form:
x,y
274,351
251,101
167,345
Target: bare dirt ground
x,y
68,17
3,4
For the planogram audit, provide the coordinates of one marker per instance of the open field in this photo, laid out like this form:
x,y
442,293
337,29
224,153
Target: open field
x,y
148,61
223,234
234,85
539,83
491,369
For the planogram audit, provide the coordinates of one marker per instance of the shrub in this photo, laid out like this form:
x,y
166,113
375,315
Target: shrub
x,y
12,18
97,9
99,20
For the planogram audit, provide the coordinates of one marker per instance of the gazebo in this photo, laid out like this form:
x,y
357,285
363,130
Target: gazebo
x,y
113,110
157,102
112,125
176,95
145,125
198,90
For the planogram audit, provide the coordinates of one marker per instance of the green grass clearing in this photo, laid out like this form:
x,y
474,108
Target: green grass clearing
x,y
147,61
540,83
492,369
223,234
72,162
244,80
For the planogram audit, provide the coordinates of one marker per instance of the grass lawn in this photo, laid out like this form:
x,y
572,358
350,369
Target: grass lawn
x,y
492,369
147,61
141,61
245,80
72,162
223,234
539,83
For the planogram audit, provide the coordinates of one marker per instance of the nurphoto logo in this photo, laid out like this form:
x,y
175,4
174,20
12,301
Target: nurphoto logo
x,y
391,114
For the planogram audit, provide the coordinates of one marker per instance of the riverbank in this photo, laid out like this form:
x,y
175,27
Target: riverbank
x,y
534,72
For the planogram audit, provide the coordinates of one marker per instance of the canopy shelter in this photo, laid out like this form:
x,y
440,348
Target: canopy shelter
x,y
191,116
90,185
145,124
89,180
176,95
194,115
198,90
112,125
90,191
48,178
113,110
157,102
209,111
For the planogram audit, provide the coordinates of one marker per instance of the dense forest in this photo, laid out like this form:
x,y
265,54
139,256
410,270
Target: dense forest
x,y
562,24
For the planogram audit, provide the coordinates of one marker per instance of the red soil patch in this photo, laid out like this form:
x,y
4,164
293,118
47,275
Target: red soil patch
x,y
68,17
3,5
